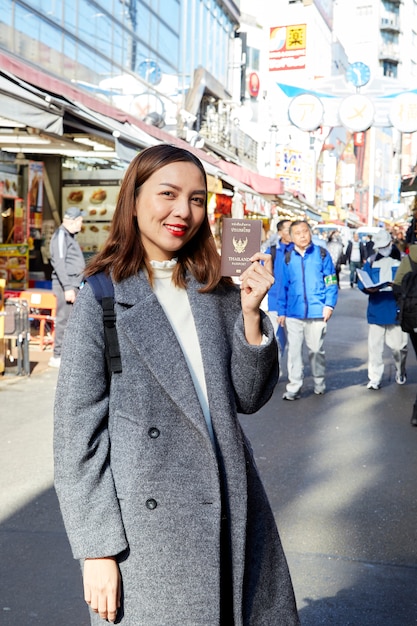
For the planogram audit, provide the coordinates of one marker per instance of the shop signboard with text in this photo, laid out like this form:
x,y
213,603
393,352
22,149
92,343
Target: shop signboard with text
x,y
287,47
97,201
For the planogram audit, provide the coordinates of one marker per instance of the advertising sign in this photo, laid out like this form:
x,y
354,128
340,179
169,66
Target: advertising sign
x,y
403,112
97,202
14,265
35,198
287,47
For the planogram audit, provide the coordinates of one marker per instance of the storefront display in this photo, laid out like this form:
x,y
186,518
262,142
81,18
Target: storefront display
x,y
14,265
97,200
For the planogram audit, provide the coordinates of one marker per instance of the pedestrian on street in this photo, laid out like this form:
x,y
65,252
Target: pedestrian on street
x,y
156,481
307,296
68,265
277,252
382,312
411,233
335,249
355,256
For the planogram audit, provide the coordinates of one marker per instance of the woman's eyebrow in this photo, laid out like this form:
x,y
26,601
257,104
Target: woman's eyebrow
x,y
202,191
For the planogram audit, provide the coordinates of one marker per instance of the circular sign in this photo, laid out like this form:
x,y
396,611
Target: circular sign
x,y
356,113
150,71
306,112
403,112
253,84
147,103
358,73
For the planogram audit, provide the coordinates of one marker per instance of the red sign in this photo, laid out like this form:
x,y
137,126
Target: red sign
x,y
253,84
359,139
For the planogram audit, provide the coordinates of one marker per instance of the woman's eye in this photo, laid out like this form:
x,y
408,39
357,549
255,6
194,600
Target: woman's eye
x,y
198,200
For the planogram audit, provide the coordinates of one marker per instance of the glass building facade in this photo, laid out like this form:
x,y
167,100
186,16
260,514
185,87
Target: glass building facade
x,y
87,41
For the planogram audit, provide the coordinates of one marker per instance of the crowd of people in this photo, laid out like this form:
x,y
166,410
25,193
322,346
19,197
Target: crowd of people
x,y
307,279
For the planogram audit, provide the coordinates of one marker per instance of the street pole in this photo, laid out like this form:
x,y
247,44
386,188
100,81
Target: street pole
x,y
371,185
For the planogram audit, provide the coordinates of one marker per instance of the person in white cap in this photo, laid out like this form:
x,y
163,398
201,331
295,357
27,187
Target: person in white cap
x,y
382,312
68,265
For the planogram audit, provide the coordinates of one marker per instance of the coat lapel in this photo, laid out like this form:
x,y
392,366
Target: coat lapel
x,y
142,319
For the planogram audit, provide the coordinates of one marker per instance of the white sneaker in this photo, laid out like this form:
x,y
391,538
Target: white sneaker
x,y
374,386
400,379
54,361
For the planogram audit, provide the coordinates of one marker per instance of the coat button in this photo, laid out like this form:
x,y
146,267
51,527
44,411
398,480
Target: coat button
x,y
154,432
151,504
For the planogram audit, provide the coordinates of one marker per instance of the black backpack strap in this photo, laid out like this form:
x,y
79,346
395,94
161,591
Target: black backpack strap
x,y
103,290
287,256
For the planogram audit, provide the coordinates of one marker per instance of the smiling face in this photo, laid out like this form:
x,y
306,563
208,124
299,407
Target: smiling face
x,y
170,208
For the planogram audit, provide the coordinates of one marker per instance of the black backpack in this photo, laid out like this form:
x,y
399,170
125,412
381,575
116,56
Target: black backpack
x,y
406,296
103,289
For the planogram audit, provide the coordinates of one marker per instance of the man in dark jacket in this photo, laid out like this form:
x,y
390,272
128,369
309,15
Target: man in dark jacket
x,y
411,234
355,256
68,265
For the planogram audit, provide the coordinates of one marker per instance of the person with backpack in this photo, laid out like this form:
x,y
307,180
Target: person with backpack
x,y
405,293
277,251
307,296
384,327
157,483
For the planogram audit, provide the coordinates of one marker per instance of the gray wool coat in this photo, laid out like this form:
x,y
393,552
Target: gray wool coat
x,y
136,472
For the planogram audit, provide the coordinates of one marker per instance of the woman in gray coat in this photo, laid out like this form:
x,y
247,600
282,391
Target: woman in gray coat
x,y
157,484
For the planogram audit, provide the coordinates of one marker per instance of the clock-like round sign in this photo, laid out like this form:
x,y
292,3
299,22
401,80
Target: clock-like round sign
x,y
150,71
356,113
306,111
358,73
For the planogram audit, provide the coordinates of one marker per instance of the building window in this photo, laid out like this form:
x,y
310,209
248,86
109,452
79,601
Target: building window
x,y
390,69
253,56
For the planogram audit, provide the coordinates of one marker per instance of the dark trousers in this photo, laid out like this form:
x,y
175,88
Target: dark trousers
x,y
354,265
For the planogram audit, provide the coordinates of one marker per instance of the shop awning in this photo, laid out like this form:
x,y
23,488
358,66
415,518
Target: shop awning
x,y
58,107
262,184
21,105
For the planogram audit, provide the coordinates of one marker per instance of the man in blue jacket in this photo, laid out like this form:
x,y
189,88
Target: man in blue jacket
x,y
307,295
382,312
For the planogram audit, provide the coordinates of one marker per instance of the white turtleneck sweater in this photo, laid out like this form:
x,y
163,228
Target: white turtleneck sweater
x,y
174,301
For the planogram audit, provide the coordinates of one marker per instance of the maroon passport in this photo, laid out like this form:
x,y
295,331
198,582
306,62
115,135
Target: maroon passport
x,y
240,240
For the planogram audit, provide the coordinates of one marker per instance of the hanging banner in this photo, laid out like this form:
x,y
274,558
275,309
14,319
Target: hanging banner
x,y
35,198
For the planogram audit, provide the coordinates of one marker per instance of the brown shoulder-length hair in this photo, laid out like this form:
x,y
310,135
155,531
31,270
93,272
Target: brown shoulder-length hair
x,y
123,253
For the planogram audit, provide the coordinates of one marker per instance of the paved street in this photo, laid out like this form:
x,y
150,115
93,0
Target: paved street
x,y
340,470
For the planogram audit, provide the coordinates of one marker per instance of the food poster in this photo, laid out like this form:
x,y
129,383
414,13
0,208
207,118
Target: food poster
x,y
35,198
14,265
8,184
97,203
